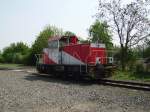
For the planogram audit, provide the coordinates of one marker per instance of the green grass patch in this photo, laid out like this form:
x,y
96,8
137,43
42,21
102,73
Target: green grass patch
x,y
126,75
10,66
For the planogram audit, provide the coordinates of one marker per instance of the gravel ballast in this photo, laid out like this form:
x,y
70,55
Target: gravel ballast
x,y
27,92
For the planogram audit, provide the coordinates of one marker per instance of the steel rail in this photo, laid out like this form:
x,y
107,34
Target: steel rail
x,y
125,84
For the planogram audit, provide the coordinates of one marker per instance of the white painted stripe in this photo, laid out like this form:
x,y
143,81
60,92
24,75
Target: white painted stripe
x,y
68,59
53,54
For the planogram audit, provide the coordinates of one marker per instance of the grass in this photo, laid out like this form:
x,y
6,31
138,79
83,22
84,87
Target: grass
x,y
126,75
10,66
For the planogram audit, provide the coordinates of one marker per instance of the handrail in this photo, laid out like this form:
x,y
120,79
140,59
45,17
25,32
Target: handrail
x,y
38,56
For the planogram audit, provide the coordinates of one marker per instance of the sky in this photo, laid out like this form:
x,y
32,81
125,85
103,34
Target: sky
x,y
22,20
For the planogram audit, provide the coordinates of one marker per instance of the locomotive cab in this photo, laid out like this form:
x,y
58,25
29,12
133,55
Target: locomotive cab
x,y
59,42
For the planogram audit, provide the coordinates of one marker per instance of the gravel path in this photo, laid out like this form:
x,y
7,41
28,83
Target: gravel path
x,y
25,92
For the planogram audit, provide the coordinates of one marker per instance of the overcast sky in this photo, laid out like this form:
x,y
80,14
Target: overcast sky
x,y
22,20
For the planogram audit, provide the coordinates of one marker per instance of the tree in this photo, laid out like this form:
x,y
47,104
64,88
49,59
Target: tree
x,y
42,41
128,21
83,41
1,58
99,32
69,33
15,52
146,52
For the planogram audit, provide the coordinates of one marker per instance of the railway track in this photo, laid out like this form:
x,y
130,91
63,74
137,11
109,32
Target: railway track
x,y
108,82
105,82
118,83
125,84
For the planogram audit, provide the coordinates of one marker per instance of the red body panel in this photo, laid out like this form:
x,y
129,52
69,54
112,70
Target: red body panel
x,y
86,54
79,51
99,52
74,40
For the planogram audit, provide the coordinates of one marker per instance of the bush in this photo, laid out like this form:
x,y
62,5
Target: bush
x,y
15,53
1,59
28,58
139,68
127,75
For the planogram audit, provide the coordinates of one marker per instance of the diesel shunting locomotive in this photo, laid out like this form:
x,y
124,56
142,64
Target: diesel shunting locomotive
x,y
66,56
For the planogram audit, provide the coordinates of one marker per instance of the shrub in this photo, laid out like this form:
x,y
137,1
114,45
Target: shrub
x,y
139,68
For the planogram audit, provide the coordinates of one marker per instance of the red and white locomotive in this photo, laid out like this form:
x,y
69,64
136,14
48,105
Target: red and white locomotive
x,y
65,56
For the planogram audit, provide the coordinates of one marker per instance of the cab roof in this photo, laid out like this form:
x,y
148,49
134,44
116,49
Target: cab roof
x,y
59,37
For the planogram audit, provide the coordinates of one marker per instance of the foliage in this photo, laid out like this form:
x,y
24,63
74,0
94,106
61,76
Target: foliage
x,y
83,41
42,41
1,58
130,60
15,52
139,68
143,50
126,75
128,20
99,32
69,33
146,52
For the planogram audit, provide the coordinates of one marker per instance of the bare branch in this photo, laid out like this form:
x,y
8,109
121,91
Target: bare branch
x,y
138,40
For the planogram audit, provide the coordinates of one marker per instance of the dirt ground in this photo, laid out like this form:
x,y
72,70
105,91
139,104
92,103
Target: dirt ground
x,y
28,92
